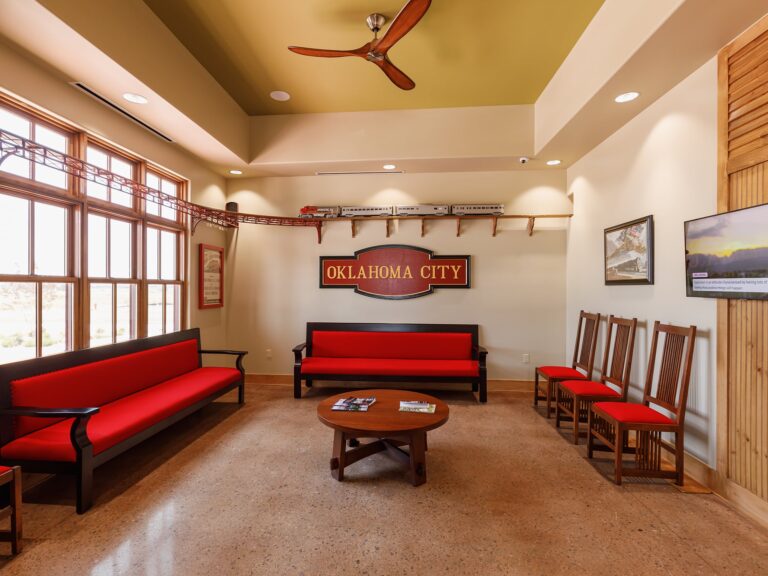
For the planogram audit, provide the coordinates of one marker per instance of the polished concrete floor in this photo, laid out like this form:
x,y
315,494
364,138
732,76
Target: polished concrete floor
x,y
248,491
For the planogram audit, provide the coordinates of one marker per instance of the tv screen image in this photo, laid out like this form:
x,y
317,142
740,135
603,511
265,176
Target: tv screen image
x,y
726,255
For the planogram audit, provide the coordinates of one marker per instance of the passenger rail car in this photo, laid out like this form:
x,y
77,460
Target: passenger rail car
x,y
477,209
409,210
423,210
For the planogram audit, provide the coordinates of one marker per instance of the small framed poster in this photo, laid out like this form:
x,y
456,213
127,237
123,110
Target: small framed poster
x,y
629,252
211,278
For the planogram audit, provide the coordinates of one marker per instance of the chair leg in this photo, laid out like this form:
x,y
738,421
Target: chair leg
x,y
16,512
536,389
679,458
557,406
550,384
590,449
576,418
618,445
84,487
296,386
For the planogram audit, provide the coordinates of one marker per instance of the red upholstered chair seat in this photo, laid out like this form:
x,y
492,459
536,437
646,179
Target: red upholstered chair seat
x,y
390,367
4,469
588,388
123,418
561,373
632,413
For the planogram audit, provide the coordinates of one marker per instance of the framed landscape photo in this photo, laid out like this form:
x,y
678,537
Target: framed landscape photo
x,y
211,279
629,252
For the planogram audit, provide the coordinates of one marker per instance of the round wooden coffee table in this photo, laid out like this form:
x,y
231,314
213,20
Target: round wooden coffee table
x,y
383,421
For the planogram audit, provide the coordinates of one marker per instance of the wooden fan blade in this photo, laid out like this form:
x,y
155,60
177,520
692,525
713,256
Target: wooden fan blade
x,y
394,73
321,53
406,19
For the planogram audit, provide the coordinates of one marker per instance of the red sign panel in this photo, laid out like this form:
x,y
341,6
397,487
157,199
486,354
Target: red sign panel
x,y
394,272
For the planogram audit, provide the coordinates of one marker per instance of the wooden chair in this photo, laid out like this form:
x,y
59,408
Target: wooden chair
x,y
12,478
583,358
573,398
610,422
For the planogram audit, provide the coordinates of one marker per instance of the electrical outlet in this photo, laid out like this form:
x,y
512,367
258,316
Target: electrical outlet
x,y
268,352
525,358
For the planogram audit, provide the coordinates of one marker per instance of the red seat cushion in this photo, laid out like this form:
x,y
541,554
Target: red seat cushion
x,y
102,382
629,413
4,469
388,367
561,373
588,388
397,345
121,419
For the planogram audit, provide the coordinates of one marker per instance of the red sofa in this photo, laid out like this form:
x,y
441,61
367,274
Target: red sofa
x,y
403,353
72,412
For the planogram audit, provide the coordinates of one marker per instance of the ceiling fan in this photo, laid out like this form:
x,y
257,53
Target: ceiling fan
x,y
376,50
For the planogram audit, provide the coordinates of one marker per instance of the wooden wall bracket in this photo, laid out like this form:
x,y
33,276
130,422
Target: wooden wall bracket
x,y
531,224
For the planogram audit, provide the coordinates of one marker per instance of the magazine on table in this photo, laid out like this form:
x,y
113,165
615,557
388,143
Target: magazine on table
x,y
353,404
417,406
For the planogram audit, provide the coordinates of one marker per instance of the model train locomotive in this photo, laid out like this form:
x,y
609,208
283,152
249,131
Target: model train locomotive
x,y
413,210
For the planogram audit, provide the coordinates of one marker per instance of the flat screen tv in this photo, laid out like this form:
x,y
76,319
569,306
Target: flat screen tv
x,y
726,255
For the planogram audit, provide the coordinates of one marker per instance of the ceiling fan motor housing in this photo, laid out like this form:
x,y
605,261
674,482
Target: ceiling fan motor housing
x,y
375,22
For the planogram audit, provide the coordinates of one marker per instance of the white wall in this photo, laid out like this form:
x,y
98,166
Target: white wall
x,y
663,163
518,287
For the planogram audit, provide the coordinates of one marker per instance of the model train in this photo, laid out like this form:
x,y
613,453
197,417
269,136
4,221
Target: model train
x,y
411,210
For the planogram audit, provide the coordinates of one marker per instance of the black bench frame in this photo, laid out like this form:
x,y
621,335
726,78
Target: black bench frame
x,y
85,462
479,384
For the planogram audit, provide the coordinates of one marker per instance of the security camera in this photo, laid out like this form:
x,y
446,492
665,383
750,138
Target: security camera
x,y
523,160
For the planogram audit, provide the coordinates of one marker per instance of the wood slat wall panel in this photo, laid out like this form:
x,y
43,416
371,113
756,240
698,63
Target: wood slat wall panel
x,y
744,143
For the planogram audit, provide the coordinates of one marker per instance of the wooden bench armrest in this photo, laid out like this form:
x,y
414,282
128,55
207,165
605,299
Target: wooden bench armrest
x,y
239,353
297,350
78,433
481,352
50,412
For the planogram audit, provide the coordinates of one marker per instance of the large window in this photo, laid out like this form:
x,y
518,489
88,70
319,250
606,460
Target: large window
x,y
36,282
83,262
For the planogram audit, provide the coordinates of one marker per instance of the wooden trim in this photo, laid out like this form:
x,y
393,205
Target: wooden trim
x,y
742,326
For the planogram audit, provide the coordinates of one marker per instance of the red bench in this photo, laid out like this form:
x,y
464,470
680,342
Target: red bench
x,y
72,412
400,353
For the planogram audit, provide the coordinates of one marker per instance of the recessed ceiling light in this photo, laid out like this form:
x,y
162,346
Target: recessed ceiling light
x,y
553,162
389,166
626,97
280,95
236,172
135,98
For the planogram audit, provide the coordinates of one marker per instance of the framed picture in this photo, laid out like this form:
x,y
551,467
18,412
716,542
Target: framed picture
x,y
211,278
629,252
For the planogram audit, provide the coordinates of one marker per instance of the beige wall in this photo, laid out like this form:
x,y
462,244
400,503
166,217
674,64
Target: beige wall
x,y
46,89
518,293
662,163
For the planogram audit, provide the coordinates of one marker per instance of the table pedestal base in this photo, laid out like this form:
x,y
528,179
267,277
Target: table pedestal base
x,y
414,458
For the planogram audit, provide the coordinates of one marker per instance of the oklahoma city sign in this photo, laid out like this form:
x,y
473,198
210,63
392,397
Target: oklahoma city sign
x,y
394,272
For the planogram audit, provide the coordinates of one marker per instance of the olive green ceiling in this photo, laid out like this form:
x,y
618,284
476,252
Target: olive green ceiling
x,y
462,53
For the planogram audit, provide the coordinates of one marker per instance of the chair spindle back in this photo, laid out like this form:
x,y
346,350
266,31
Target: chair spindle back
x,y
623,351
586,342
671,391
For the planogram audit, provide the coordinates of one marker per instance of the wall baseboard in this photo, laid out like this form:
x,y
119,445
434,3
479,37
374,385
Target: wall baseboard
x,y
493,385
